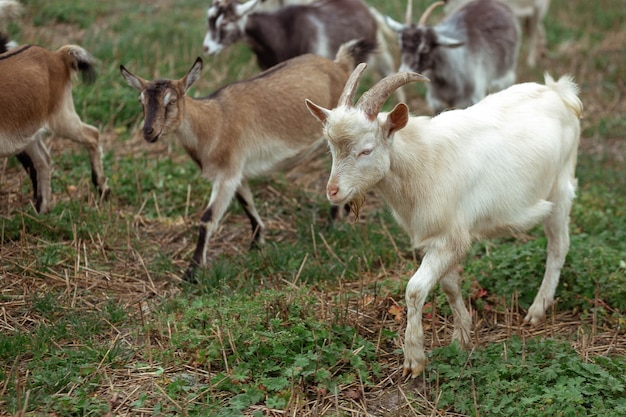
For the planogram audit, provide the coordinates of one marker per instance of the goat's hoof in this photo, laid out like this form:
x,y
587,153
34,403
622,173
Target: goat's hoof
x,y
536,315
190,274
412,368
105,193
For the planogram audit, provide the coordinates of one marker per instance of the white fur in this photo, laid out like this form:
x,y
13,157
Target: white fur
x,y
500,166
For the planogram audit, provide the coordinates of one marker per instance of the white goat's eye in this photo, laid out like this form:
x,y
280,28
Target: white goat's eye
x,y
365,152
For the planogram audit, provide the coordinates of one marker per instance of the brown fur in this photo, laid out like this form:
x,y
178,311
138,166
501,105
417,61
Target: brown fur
x,y
249,128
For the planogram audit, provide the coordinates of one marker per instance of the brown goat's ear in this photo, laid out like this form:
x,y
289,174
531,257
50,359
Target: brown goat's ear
x,y
193,74
319,112
397,118
136,82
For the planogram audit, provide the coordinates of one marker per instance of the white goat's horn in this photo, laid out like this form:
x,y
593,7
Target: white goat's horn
x,y
347,96
372,100
409,12
428,11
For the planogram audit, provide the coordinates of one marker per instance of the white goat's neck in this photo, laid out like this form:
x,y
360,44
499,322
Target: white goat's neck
x,y
412,157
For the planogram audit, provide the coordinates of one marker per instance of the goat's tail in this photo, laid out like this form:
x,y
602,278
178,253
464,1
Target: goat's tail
x,y
568,90
79,60
352,53
5,43
9,10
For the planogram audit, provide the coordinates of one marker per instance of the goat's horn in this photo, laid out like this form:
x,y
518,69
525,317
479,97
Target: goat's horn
x,y
409,12
372,100
428,11
347,96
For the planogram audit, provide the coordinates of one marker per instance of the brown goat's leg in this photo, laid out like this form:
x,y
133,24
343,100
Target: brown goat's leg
x,y
244,196
221,196
36,161
67,124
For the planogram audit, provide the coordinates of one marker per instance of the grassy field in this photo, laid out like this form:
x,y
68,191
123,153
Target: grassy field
x,y
94,319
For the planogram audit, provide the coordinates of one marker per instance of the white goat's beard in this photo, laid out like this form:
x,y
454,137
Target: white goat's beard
x,y
355,205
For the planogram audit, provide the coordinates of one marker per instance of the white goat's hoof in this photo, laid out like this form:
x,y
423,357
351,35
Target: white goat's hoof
x,y
413,367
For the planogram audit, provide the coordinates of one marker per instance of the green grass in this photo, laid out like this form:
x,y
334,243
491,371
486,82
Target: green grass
x,y
95,320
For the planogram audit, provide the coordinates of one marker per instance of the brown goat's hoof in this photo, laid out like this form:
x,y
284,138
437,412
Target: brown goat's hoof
x,y
190,275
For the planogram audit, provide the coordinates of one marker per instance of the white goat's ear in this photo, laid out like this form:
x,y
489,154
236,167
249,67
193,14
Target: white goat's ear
x,y
193,74
397,118
132,80
245,8
395,25
319,112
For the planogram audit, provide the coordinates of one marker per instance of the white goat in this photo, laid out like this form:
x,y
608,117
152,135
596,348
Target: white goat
x,y
531,11
500,166
246,129
36,97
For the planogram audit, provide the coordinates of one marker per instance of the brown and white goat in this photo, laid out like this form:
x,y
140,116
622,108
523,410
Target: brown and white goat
x,y
246,129
36,97
500,166
469,54
531,12
276,33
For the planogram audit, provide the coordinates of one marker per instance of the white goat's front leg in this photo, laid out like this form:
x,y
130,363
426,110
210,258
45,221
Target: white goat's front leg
x,y
437,263
221,195
37,162
451,286
557,233
244,196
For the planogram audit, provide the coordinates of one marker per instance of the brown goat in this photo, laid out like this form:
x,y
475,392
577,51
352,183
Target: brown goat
x,y
36,97
246,129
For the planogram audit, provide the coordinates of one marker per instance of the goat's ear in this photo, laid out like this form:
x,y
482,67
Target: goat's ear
x,y
449,41
193,74
319,112
397,118
245,8
394,25
132,80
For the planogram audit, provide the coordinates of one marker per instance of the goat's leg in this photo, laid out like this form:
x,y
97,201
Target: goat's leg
x,y
536,37
221,195
244,196
451,286
37,162
437,263
68,125
557,233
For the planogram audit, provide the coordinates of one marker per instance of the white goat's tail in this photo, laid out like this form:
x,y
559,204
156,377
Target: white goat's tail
x,y
568,90
9,10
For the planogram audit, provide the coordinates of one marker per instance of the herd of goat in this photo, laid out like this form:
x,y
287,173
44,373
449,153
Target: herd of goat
x,y
496,157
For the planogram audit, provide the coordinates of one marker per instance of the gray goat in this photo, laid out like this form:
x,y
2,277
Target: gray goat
x,y
469,54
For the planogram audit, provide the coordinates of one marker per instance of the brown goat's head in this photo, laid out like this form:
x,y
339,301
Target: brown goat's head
x,y
162,100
